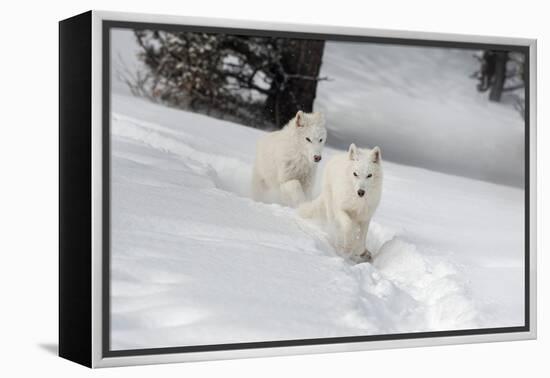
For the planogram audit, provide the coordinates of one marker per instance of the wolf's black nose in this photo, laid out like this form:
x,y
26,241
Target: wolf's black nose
x,y
317,158
360,192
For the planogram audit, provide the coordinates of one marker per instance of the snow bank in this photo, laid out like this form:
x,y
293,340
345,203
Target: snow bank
x,y
196,261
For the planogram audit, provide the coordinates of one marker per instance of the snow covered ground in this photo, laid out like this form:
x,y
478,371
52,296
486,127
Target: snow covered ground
x,y
195,261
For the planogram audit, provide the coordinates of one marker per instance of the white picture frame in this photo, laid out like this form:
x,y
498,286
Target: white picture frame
x,y
83,244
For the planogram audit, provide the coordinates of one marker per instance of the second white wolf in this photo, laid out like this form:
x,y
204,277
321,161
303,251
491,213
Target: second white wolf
x,y
351,192
286,159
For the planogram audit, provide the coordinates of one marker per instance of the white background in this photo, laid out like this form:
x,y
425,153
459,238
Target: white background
x,y
28,208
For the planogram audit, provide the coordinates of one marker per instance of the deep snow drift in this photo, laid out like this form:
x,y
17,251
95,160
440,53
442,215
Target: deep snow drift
x,y
195,261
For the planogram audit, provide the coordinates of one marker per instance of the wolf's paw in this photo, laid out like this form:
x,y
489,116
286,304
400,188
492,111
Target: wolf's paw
x,y
363,257
366,256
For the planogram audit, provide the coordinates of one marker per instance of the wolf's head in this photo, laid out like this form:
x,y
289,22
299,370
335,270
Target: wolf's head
x,y
310,133
364,169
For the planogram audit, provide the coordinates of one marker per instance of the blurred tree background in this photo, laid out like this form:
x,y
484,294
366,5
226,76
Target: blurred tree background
x,y
263,81
500,73
257,81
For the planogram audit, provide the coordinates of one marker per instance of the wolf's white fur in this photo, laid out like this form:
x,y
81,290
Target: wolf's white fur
x,y
339,202
285,159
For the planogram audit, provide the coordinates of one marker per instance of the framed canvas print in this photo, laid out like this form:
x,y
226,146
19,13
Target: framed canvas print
x,y
234,189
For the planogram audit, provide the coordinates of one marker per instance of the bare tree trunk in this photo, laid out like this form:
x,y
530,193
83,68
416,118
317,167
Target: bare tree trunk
x,y
295,88
500,76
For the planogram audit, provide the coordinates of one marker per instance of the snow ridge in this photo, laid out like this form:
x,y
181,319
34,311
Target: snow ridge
x,y
196,261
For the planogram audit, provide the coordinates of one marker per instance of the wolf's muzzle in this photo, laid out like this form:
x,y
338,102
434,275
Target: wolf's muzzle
x,y
317,158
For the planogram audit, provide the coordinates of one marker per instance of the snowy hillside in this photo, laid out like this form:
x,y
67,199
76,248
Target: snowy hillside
x,y
196,261
422,105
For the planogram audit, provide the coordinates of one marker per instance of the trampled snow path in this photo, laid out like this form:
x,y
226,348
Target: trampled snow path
x,y
196,261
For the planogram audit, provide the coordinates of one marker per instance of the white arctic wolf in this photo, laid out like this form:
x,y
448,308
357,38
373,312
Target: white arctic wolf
x,y
286,159
352,187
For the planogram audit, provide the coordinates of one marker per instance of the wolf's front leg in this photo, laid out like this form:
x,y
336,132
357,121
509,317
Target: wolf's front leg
x,y
361,252
347,233
308,186
292,193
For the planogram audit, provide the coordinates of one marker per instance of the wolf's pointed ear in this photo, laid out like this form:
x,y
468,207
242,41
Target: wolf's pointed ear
x,y
352,152
376,154
300,119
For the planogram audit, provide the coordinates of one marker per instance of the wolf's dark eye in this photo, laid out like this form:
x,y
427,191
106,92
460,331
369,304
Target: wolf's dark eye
x,y
355,174
309,140
321,140
369,175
